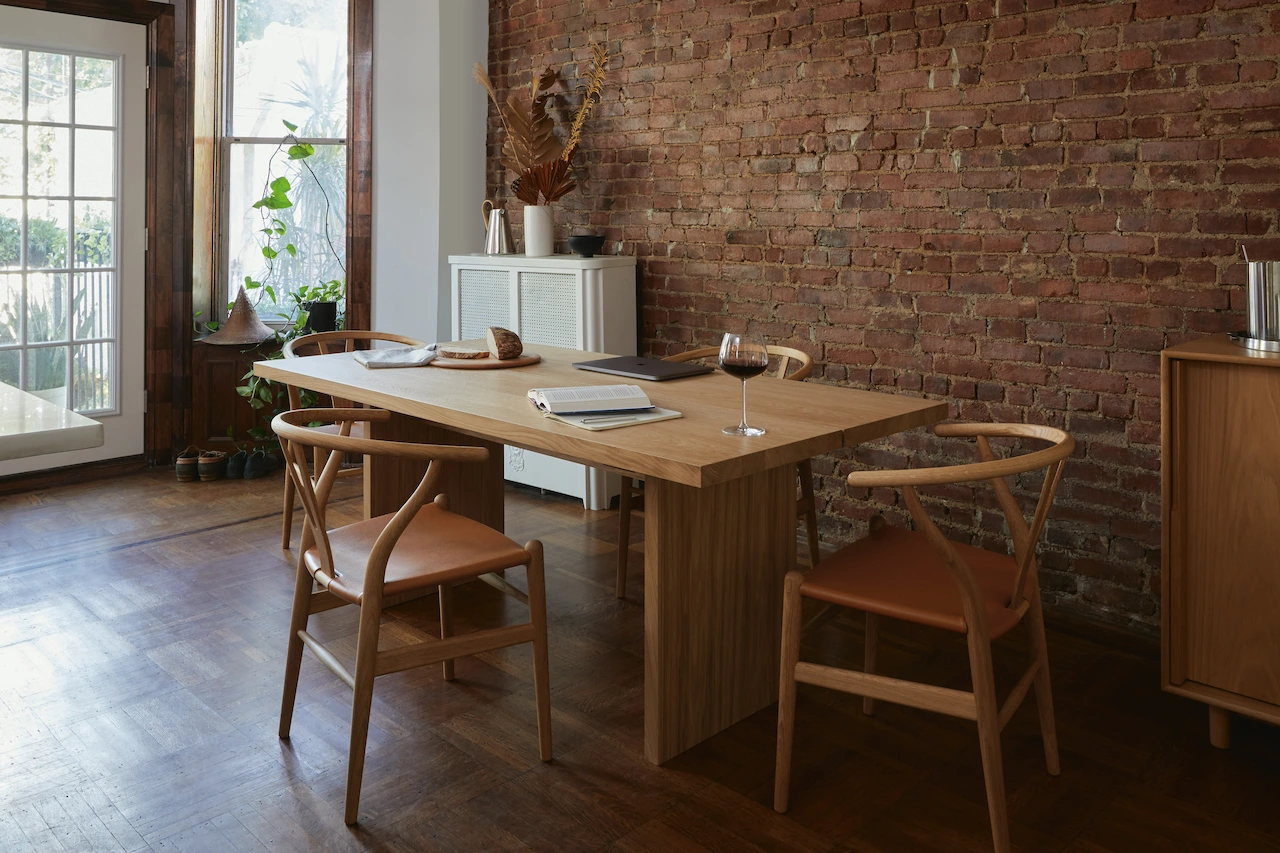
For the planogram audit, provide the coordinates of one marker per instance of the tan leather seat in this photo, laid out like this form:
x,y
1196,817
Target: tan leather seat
x,y
898,574
437,547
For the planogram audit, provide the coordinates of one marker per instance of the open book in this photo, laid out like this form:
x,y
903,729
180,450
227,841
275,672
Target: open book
x,y
590,398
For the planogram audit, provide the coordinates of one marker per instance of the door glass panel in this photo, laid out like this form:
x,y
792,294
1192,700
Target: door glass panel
x,y
93,234
10,159
11,367
10,234
10,308
95,91
290,64
95,163
48,87
93,372
10,84
94,305
47,235
48,307
47,373
58,221
48,161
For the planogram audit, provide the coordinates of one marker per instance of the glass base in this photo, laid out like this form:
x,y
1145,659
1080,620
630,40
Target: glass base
x,y
743,430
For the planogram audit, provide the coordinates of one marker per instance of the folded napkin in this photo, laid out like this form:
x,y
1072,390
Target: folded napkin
x,y
399,357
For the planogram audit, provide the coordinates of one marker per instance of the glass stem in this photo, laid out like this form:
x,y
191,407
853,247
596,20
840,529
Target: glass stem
x,y
743,425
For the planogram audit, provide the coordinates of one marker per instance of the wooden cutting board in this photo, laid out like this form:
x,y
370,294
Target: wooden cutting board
x,y
489,363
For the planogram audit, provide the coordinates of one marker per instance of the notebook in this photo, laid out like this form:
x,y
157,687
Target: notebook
x,y
641,367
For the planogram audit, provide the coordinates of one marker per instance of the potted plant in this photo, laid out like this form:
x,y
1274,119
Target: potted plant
x,y
543,165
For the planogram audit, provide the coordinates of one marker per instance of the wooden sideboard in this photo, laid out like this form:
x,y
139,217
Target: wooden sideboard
x,y
1220,589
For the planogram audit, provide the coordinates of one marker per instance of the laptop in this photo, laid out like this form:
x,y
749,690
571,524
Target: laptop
x,y
640,367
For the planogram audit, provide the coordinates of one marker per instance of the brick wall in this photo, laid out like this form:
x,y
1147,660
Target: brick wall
x,y
1012,206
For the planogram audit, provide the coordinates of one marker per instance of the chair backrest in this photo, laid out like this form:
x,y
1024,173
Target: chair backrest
x,y
296,438
786,356
345,340
994,470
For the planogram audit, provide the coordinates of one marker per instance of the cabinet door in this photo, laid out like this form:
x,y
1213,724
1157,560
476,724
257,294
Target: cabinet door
x,y
549,309
484,300
1225,578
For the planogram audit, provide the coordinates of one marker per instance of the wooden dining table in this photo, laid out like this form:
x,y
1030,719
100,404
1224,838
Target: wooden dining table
x,y
720,510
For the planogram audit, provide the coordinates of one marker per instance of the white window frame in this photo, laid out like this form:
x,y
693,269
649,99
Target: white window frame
x,y
23,346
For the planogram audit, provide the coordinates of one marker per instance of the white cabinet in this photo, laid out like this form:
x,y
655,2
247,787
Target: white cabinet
x,y
560,300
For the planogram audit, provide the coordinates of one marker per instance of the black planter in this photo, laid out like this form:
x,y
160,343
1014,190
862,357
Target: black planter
x,y
322,316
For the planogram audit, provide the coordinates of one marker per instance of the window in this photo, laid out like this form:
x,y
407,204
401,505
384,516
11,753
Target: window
x,y
285,61
59,215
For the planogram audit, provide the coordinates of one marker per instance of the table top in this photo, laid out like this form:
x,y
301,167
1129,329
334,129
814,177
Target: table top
x,y
802,419
32,426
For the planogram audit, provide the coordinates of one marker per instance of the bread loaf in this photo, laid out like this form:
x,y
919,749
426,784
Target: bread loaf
x,y
462,352
504,343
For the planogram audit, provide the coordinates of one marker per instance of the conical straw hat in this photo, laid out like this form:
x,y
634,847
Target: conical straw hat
x,y
242,327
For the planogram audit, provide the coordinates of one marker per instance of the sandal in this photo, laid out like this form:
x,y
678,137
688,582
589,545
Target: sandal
x,y
211,465
186,463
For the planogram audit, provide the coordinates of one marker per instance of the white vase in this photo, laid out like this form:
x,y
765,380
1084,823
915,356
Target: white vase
x,y
537,230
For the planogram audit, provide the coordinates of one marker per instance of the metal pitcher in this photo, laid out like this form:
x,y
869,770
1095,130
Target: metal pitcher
x,y
497,236
1263,306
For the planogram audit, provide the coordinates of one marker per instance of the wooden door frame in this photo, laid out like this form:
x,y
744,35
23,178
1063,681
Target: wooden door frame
x,y
167,270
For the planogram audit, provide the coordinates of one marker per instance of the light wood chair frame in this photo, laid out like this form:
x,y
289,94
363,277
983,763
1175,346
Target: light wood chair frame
x,y
631,496
979,705
312,595
324,342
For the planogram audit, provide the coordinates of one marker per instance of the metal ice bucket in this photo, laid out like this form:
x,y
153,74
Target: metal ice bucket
x,y
1263,308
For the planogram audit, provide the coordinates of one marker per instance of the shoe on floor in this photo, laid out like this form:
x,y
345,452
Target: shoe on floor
x,y
186,464
256,465
211,465
235,465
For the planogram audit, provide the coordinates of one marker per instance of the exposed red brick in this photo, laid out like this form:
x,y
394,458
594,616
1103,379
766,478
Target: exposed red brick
x,y
1012,212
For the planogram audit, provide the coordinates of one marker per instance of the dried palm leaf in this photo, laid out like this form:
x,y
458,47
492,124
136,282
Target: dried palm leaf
x,y
592,89
552,181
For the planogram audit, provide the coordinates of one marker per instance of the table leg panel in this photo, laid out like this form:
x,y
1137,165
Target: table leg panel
x,y
474,490
715,559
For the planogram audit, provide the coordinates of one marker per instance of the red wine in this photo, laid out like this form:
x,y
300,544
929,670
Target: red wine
x,y
743,368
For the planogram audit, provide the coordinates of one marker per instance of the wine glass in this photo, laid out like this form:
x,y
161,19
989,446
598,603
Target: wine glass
x,y
743,356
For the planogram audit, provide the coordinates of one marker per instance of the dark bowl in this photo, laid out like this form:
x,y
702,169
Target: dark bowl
x,y
587,245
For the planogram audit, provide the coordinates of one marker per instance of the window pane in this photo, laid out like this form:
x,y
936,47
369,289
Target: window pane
x,y
10,83
94,306
92,377
95,91
47,236
10,159
48,161
48,307
48,87
290,65
93,233
318,258
10,309
47,373
95,163
10,234
11,367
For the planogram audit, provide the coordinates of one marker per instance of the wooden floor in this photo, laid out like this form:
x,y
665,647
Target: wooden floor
x,y
142,635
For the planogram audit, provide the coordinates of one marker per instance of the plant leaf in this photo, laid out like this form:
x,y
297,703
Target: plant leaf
x,y
301,151
281,185
269,253
293,128
292,250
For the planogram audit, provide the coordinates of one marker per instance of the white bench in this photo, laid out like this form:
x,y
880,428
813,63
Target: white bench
x,y
30,426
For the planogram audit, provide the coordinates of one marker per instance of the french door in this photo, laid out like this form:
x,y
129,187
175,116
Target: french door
x,y
72,221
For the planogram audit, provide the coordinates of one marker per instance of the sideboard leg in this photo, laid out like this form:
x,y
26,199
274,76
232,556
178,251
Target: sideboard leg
x,y
1219,727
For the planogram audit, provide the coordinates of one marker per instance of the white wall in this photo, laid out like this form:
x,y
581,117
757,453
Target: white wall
x,y
428,156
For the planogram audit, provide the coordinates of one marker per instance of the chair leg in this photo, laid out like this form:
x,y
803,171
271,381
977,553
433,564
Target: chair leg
x,y
984,691
791,624
804,470
293,660
871,642
541,671
362,700
446,625
1044,693
286,531
624,536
